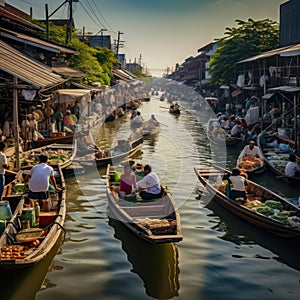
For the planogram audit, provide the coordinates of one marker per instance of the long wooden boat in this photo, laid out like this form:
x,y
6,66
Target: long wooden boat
x,y
66,139
275,159
263,208
156,221
174,111
153,131
21,248
111,156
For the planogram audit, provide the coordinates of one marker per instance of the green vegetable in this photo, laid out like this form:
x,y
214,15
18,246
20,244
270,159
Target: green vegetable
x,y
280,218
274,204
19,188
265,210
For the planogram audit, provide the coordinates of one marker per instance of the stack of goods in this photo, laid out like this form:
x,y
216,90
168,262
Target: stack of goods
x,y
270,208
158,226
249,163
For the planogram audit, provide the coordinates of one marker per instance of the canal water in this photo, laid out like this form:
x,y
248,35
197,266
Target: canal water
x,y
220,257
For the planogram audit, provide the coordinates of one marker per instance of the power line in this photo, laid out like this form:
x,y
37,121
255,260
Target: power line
x,y
93,12
108,25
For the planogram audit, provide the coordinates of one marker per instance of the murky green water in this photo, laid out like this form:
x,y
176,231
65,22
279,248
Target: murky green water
x,y
220,257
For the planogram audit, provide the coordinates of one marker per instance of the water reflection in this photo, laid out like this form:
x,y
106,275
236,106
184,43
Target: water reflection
x,y
156,265
240,232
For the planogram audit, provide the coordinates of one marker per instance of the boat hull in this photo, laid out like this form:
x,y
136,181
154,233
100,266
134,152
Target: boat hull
x,y
249,215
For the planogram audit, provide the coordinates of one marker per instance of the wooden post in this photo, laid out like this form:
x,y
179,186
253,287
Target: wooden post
x,y
296,134
16,122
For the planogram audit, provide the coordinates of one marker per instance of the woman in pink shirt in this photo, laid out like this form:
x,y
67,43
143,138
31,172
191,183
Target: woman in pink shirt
x,y
127,181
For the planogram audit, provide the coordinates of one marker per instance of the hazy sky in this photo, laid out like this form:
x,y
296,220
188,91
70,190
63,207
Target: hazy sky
x,y
164,32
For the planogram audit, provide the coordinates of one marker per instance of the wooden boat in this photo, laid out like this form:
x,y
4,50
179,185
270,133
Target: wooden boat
x,y
111,156
263,208
21,248
153,131
156,221
66,139
174,111
58,154
147,133
275,159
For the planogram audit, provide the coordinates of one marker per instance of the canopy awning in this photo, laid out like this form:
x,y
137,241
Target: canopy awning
x,y
268,96
286,88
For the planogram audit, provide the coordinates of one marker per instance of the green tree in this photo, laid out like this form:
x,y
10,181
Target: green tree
x,y
250,38
95,62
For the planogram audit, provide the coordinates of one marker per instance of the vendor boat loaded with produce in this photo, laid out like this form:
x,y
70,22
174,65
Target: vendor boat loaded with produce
x,y
32,227
257,204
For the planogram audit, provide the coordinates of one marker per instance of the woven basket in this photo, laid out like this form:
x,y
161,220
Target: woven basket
x,y
29,235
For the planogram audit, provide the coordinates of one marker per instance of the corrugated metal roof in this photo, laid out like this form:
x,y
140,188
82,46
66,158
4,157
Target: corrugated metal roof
x,y
290,50
26,69
121,75
67,72
5,13
35,42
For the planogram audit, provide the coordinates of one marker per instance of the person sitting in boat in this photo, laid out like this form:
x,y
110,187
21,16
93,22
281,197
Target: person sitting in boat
x,y
68,121
149,187
238,185
127,181
292,168
224,122
134,113
176,106
219,133
137,120
251,150
236,130
152,123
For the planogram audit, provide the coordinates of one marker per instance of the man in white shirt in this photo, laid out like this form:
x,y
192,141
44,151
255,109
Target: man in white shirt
x,y
137,120
149,187
292,168
39,179
251,150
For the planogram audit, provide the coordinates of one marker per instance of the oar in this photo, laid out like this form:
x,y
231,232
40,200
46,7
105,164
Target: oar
x,y
164,107
163,124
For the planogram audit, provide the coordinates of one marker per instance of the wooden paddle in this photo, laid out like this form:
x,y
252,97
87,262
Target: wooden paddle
x,y
163,124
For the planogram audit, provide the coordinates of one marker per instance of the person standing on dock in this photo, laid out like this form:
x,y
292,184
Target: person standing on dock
x,y
3,165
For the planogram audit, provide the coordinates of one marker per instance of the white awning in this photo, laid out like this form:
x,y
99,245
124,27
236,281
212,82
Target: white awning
x,y
268,96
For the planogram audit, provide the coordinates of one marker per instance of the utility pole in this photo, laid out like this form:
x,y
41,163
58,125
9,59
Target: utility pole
x,y
70,19
119,43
